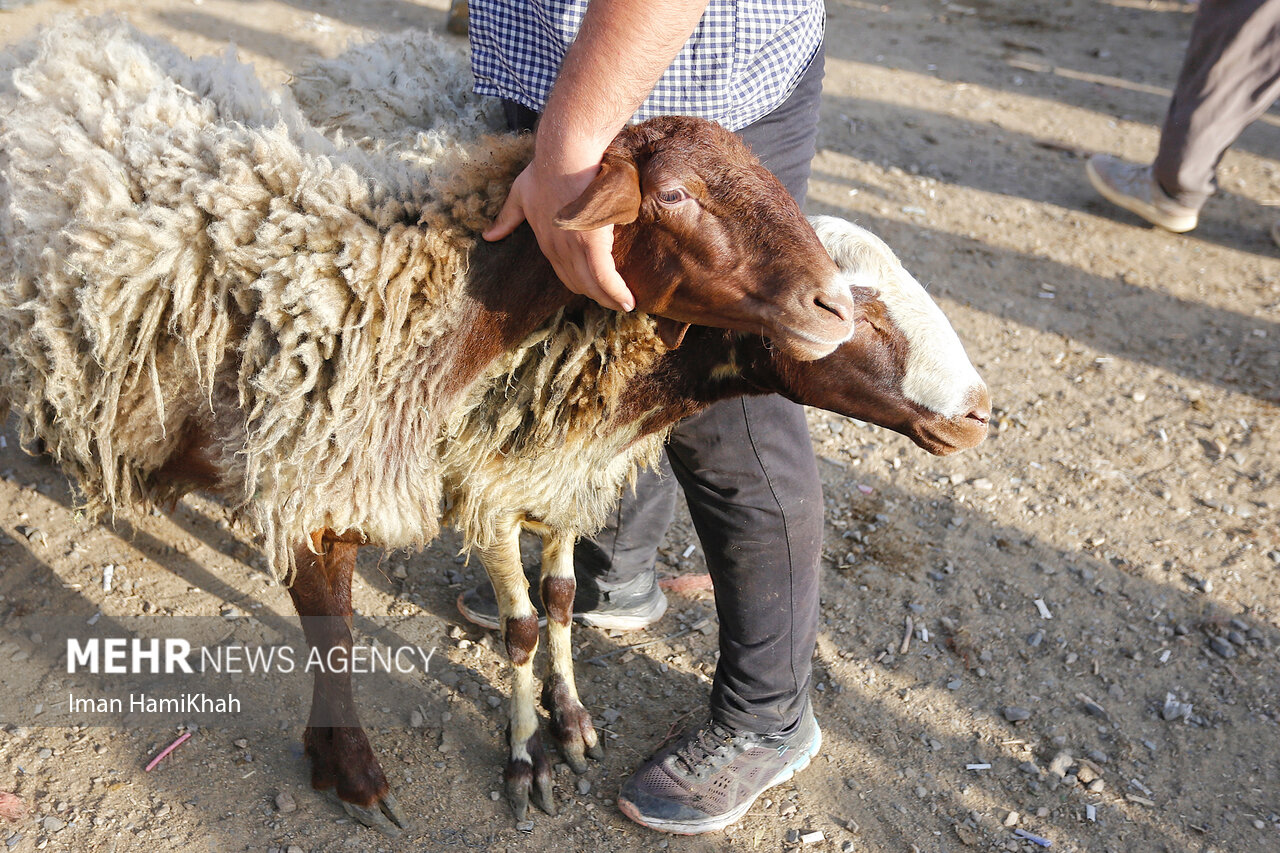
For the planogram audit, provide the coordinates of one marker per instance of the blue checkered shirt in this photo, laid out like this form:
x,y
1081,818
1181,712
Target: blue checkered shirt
x,y
743,60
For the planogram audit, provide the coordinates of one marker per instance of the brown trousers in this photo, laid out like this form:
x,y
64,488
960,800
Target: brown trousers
x,y
1230,76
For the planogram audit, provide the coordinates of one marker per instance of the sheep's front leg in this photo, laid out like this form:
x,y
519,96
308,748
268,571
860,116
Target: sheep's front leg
x,y
340,754
570,722
528,771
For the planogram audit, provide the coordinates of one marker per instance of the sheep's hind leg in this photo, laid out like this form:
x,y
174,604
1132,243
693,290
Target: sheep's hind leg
x,y
570,723
340,754
528,773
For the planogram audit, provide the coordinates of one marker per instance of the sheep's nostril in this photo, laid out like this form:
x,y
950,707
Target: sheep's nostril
x,y
979,405
841,308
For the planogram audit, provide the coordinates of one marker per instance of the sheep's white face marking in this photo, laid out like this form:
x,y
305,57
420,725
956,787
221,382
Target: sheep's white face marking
x,y
938,374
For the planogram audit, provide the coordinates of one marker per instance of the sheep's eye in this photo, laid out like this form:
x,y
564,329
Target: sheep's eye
x,y
672,196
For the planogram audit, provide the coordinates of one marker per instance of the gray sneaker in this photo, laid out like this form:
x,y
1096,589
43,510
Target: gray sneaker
x,y
627,607
710,777
1134,188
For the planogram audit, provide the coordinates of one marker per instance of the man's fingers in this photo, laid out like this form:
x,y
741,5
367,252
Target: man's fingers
x,y
611,290
595,274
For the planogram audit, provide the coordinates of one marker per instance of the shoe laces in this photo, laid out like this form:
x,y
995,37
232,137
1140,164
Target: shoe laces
x,y
711,745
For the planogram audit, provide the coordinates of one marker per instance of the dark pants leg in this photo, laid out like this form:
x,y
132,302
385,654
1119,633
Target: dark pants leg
x,y
749,475
1229,77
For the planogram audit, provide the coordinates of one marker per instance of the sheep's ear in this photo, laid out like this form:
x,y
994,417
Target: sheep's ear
x,y
671,332
612,198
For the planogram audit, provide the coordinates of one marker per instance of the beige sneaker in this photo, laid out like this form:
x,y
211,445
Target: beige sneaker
x,y
1135,189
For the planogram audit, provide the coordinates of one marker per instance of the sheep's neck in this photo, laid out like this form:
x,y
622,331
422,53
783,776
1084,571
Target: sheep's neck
x,y
707,367
513,290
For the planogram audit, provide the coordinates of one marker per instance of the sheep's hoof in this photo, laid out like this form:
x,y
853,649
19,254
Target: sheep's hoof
x,y
529,778
571,726
383,815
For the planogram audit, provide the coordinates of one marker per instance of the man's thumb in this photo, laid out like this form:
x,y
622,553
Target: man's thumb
x,y
509,219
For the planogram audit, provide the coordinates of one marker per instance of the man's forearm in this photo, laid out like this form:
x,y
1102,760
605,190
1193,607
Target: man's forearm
x,y
621,51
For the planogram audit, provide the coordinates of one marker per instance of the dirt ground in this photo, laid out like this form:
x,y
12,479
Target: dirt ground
x,y
1131,484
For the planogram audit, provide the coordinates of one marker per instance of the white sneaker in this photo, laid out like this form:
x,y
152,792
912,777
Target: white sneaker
x,y
1135,189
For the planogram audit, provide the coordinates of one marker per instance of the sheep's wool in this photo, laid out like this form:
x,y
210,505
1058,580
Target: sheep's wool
x,y
178,244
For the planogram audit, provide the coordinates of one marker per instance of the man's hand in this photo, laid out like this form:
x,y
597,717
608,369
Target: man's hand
x,y
583,260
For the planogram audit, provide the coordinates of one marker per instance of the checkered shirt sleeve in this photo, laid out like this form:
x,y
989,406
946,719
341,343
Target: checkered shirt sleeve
x,y
743,59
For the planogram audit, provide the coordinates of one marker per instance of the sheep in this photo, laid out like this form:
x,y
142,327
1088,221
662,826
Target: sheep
x,y
226,256
200,289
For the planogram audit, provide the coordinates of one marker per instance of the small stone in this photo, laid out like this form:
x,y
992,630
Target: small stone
x,y
415,718
812,836
1011,819
44,752
448,743
1029,767
231,613
1097,756
610,715
967,835
285,803
922,791
1236,638
1015,714
525,826
53,824
584,787
846,847
1094,709
294,848
1097,786
955,684
242,743
1223,647
1060,764
792,836
494,701
161,810
1173,709
1035,639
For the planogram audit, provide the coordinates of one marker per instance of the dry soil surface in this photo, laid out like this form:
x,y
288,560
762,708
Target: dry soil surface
x,y
1130,484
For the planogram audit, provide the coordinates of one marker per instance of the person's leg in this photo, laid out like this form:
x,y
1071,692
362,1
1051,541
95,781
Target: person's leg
x,y
749,475
1229,77
748,472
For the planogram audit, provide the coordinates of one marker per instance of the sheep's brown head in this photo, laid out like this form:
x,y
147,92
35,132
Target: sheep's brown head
x,y
904,368
705,235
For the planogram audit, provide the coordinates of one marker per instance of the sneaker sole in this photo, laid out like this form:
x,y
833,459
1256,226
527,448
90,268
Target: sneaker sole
x,y
605,621
1151,213
718,822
